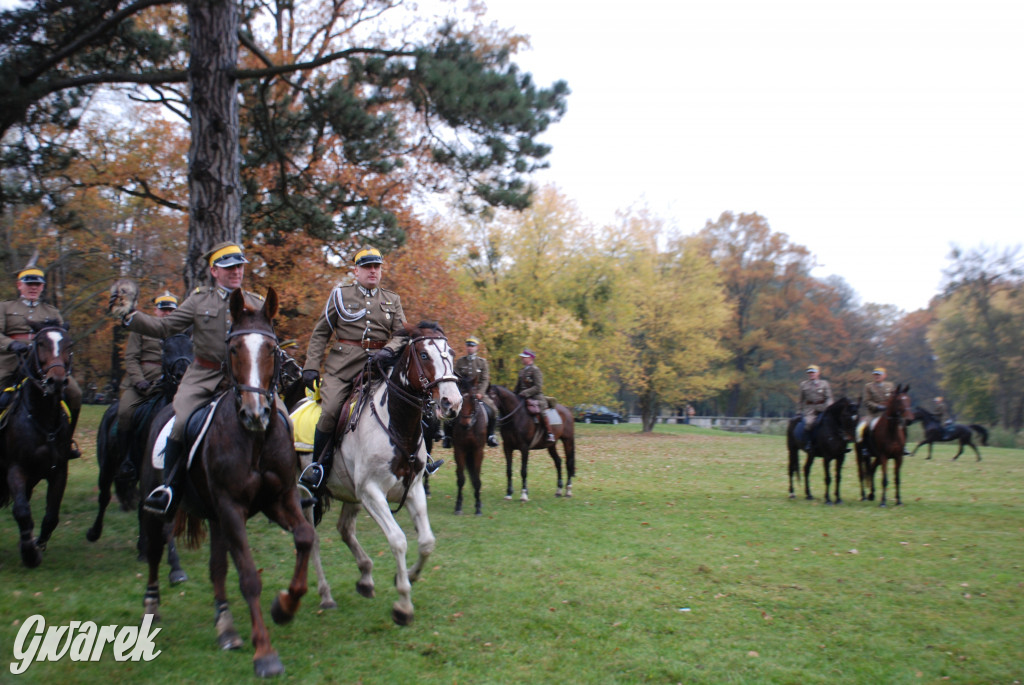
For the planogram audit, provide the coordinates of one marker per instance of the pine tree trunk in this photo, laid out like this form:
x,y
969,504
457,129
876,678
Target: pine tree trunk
x,y
214,182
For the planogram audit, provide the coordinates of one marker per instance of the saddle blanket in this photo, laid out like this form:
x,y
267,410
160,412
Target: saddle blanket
x,y
304,418
160,445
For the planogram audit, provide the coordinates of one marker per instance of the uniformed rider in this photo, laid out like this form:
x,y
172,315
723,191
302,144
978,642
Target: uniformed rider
x,y
815,398
531,386
474,370
873,401
207,311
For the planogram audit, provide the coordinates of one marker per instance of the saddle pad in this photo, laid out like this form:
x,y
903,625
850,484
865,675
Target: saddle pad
x,y
554,418
304,418
160,445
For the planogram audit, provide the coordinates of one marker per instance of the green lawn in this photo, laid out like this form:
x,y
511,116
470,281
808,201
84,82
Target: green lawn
x,y
679,560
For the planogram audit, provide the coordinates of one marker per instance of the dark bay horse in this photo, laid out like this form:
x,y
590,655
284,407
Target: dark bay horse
x,y
35,437
934,432
834,430
469,436
520,432
244,465
886,437
380,458
121,470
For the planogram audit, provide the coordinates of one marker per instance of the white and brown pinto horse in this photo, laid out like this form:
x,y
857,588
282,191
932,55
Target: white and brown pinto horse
x,y
381,457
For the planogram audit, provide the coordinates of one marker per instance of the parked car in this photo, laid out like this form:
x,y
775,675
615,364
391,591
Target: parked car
x,y
596,413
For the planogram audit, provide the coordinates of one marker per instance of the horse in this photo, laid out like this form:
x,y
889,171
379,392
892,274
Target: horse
x,y
121,470
935,432
36,437
835,427
245,464
381,458
469,435
431,429
886,436
519,431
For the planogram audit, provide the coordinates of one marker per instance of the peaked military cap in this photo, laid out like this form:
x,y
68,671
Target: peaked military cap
x,y
368,255
226,254
165,301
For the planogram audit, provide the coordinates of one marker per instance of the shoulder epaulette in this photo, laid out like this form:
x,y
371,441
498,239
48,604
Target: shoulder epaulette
x,y
256,295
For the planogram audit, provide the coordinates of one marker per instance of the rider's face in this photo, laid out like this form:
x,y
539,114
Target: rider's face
x,y
369,275
229,277
30,291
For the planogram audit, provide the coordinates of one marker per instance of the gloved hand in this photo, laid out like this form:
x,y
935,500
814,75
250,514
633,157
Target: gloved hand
x,y
385,357
17,347
142,386
310,377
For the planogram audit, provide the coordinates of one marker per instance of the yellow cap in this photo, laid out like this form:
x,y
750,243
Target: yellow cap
x,y
812,367
879,371
32,275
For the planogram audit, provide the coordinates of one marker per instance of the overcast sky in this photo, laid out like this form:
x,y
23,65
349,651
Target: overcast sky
x,y
873,133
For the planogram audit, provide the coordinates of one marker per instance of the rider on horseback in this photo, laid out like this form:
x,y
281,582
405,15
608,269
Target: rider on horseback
x,y
143,359
945,418
16,319
475,370
815,398
359,323
207,311
530,386
873,402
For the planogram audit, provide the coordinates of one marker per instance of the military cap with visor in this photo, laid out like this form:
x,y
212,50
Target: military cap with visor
x,y
368,255
166,301
226,254
32,274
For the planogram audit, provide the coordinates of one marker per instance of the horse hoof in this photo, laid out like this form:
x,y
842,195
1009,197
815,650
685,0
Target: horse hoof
x,y
229,640
177,577
151,607
277,611
792,496
328,604
479,513
558,492
92,535
838,501
365,589
508,496
400,616
458,512
809,497
31,556
568,491
828,503
268,666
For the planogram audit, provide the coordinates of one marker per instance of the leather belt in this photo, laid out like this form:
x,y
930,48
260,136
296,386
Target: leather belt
x,y
207,363
365,344
151,362
22,336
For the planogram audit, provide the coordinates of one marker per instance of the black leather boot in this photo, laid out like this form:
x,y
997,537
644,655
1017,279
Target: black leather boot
x,y
314,475
165,498
124,448
446,441
492,418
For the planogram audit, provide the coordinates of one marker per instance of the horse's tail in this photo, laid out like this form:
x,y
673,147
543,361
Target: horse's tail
x,y
194,528
982,431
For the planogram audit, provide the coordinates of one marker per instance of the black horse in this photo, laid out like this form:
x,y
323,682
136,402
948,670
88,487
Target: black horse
x,y
934,432
122,470
834,429
35,438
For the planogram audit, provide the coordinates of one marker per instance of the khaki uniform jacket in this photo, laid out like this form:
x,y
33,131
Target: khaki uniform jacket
x,y
143,361
531,385
874,399
815,397
16,317
356,314
207,311
477,372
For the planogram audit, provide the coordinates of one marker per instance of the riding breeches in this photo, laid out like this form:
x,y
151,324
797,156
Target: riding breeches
x,y
130,400
197,388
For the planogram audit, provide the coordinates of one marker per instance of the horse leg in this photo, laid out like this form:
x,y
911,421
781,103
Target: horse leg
x,y
151,536
914,451
975,450
828,479
347,528
839,471
232,523
287,514
416,503
376,505
31,556
106,479
558,467
525,496
929,451
223,621
885,479
959,451
569,445
177,574
55,486
807,475
460,476
896,475
506,445
474,475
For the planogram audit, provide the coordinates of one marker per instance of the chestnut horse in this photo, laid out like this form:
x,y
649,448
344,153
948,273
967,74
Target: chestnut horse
x,y
381,456
36,437
244,465
519,431
469,435
886,437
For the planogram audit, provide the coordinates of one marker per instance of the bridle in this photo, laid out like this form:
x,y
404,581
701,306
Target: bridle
x,y
239,388
35,371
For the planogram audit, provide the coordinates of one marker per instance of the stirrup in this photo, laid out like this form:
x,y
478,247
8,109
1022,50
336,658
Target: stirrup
x,y
432,466
73,451
312,476
446,442
550,437
492,441
159,501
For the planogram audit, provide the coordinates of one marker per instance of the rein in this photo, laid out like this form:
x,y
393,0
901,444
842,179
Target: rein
x,y
520,404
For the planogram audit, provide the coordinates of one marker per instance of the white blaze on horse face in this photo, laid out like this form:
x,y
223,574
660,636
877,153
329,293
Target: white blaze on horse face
x,y
253,344
55,341
444,367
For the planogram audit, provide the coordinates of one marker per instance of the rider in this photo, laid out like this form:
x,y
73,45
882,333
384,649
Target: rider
x,y
207,310
360,321
815,398
143,366
16,317
873,402
531,386
475,370
944,416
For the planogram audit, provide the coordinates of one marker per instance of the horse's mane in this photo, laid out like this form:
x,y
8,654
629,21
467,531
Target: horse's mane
x,y
424,324
37,326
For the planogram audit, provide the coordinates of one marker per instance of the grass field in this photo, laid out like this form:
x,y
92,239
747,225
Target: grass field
x,y
679,560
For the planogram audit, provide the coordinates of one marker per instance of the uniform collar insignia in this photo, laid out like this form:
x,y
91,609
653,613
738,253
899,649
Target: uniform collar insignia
x,y
368,293
30,303
224,292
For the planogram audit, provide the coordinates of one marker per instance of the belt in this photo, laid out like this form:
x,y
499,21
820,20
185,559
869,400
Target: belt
x,y
207,363
151,362
22,336
365,344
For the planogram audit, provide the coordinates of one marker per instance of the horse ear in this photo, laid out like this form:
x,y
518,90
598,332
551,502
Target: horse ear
x,y
270,304
236,304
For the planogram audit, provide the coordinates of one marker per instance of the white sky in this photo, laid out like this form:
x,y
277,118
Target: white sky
x,y
873,133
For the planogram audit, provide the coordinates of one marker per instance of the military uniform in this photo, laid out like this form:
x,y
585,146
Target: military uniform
x,y
875,399
208,312
477,372
355,323
143,363
16,317
815,398
531,385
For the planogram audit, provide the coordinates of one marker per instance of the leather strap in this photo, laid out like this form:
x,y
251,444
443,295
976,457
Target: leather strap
x,y
207,363
365,344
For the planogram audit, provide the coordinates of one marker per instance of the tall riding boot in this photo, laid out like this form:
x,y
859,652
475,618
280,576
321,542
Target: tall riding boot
x,y
446,442
550,437
165,498
314,474
492,418
124,449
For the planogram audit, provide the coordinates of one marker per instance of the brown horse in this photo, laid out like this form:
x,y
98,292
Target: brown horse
x,y
244,465
519,431
886,438
469,435
36,438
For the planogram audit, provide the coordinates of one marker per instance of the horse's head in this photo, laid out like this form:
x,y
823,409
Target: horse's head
x,y
175,359
429,367
253,364
467,414
48,361
898,408
848,418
